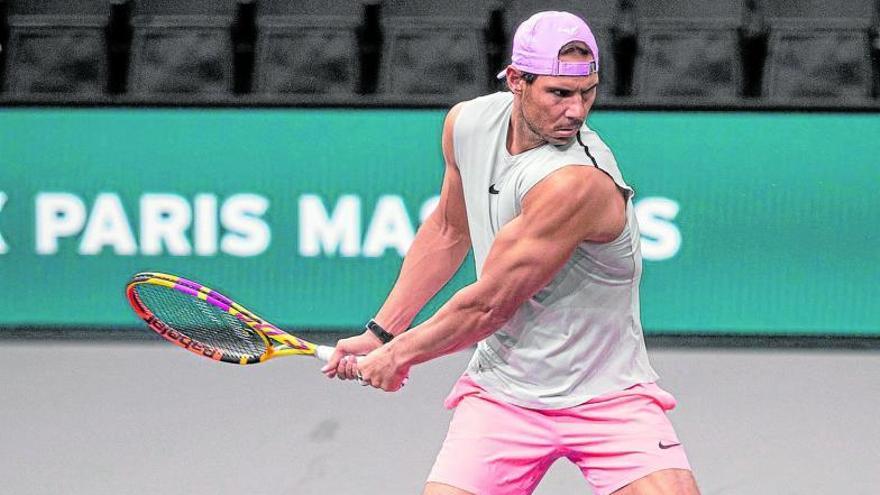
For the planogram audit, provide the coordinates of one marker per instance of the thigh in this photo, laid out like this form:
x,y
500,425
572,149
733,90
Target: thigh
x,y
663,482
491,447
443,489
623,437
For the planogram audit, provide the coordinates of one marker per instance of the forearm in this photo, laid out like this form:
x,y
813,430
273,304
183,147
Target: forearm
x,y
434,257
472,314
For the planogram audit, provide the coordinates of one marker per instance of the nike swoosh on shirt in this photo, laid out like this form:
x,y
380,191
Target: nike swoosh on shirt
x,y
492,189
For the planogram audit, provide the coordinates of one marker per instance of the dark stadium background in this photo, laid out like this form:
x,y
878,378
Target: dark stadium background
x,y
95,410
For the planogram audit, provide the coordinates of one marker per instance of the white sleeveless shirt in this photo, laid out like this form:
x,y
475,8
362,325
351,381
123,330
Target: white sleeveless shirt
x,y
581,335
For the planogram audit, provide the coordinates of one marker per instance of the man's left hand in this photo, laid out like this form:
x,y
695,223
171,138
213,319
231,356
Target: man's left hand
x,y
381,369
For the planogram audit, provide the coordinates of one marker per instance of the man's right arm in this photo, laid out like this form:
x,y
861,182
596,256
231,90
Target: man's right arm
x,y
439,248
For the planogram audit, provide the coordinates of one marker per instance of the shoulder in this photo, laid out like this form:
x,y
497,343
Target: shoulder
x,y
585,198
590,149
481,109
452,115
450,122
467,117
447,137
598,152
574,183
584,163
589,137
498,98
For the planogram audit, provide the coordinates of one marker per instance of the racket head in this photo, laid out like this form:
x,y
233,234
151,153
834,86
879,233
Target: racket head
x,y
206,322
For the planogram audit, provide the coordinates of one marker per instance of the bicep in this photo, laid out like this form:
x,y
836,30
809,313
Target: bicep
x,y
558,214
523,259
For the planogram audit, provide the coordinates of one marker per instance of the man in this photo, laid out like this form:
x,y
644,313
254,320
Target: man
x,y
560,368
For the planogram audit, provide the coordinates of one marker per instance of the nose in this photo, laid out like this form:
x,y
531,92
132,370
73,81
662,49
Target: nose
x,y
576,109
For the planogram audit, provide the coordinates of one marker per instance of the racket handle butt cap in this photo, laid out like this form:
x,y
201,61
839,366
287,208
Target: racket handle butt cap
x,y
324,352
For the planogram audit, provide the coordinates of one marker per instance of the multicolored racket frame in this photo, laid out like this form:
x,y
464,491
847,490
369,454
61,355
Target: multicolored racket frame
x,y
278,342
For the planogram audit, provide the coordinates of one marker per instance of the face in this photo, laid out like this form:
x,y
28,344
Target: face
x,y
554,107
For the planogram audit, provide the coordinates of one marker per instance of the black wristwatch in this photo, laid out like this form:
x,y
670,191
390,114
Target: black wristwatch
x,y
379,332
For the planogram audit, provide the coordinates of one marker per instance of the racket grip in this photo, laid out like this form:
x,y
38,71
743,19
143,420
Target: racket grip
x,y
324,352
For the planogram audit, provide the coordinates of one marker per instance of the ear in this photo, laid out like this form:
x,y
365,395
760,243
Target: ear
x,y
515,80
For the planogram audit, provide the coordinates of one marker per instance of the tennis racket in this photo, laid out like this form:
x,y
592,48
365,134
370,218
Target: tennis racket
x,y
205,322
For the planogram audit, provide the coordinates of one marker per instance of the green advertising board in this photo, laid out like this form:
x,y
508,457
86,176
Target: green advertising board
x,y
752,223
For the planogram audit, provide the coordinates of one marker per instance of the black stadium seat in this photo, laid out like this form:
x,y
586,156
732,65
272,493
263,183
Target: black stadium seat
x,y
182,48
819,10
819,61
308,48
59,7
688,51
819,51
434,49
307,55
689,59
698,11
56,48
430,56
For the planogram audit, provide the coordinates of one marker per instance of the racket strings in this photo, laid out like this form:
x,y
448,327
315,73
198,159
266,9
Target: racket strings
x,y
201,321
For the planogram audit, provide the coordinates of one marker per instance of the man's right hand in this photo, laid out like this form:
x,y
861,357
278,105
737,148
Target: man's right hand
x,y
343,362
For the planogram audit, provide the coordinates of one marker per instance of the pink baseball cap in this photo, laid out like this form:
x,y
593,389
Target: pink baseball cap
x,y
539,38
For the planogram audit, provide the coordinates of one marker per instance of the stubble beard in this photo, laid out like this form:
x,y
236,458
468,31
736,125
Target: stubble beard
x,y
536,132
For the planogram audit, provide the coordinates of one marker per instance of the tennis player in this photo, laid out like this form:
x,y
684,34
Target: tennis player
x,y
560,368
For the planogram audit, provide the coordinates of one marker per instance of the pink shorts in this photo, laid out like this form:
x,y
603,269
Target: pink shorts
x,y
497,448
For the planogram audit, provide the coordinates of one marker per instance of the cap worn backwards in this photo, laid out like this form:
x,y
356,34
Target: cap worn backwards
x,y
539,38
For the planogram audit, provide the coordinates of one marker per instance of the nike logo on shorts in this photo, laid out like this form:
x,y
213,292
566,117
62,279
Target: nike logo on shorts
x,y
668,445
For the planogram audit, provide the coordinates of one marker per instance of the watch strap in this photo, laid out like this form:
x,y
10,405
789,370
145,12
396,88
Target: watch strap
x,y
379,332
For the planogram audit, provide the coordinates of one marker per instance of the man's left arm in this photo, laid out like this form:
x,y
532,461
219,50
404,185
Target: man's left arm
x,y
573,204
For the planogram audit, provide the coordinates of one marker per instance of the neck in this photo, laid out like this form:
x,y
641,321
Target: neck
x,y
520,137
